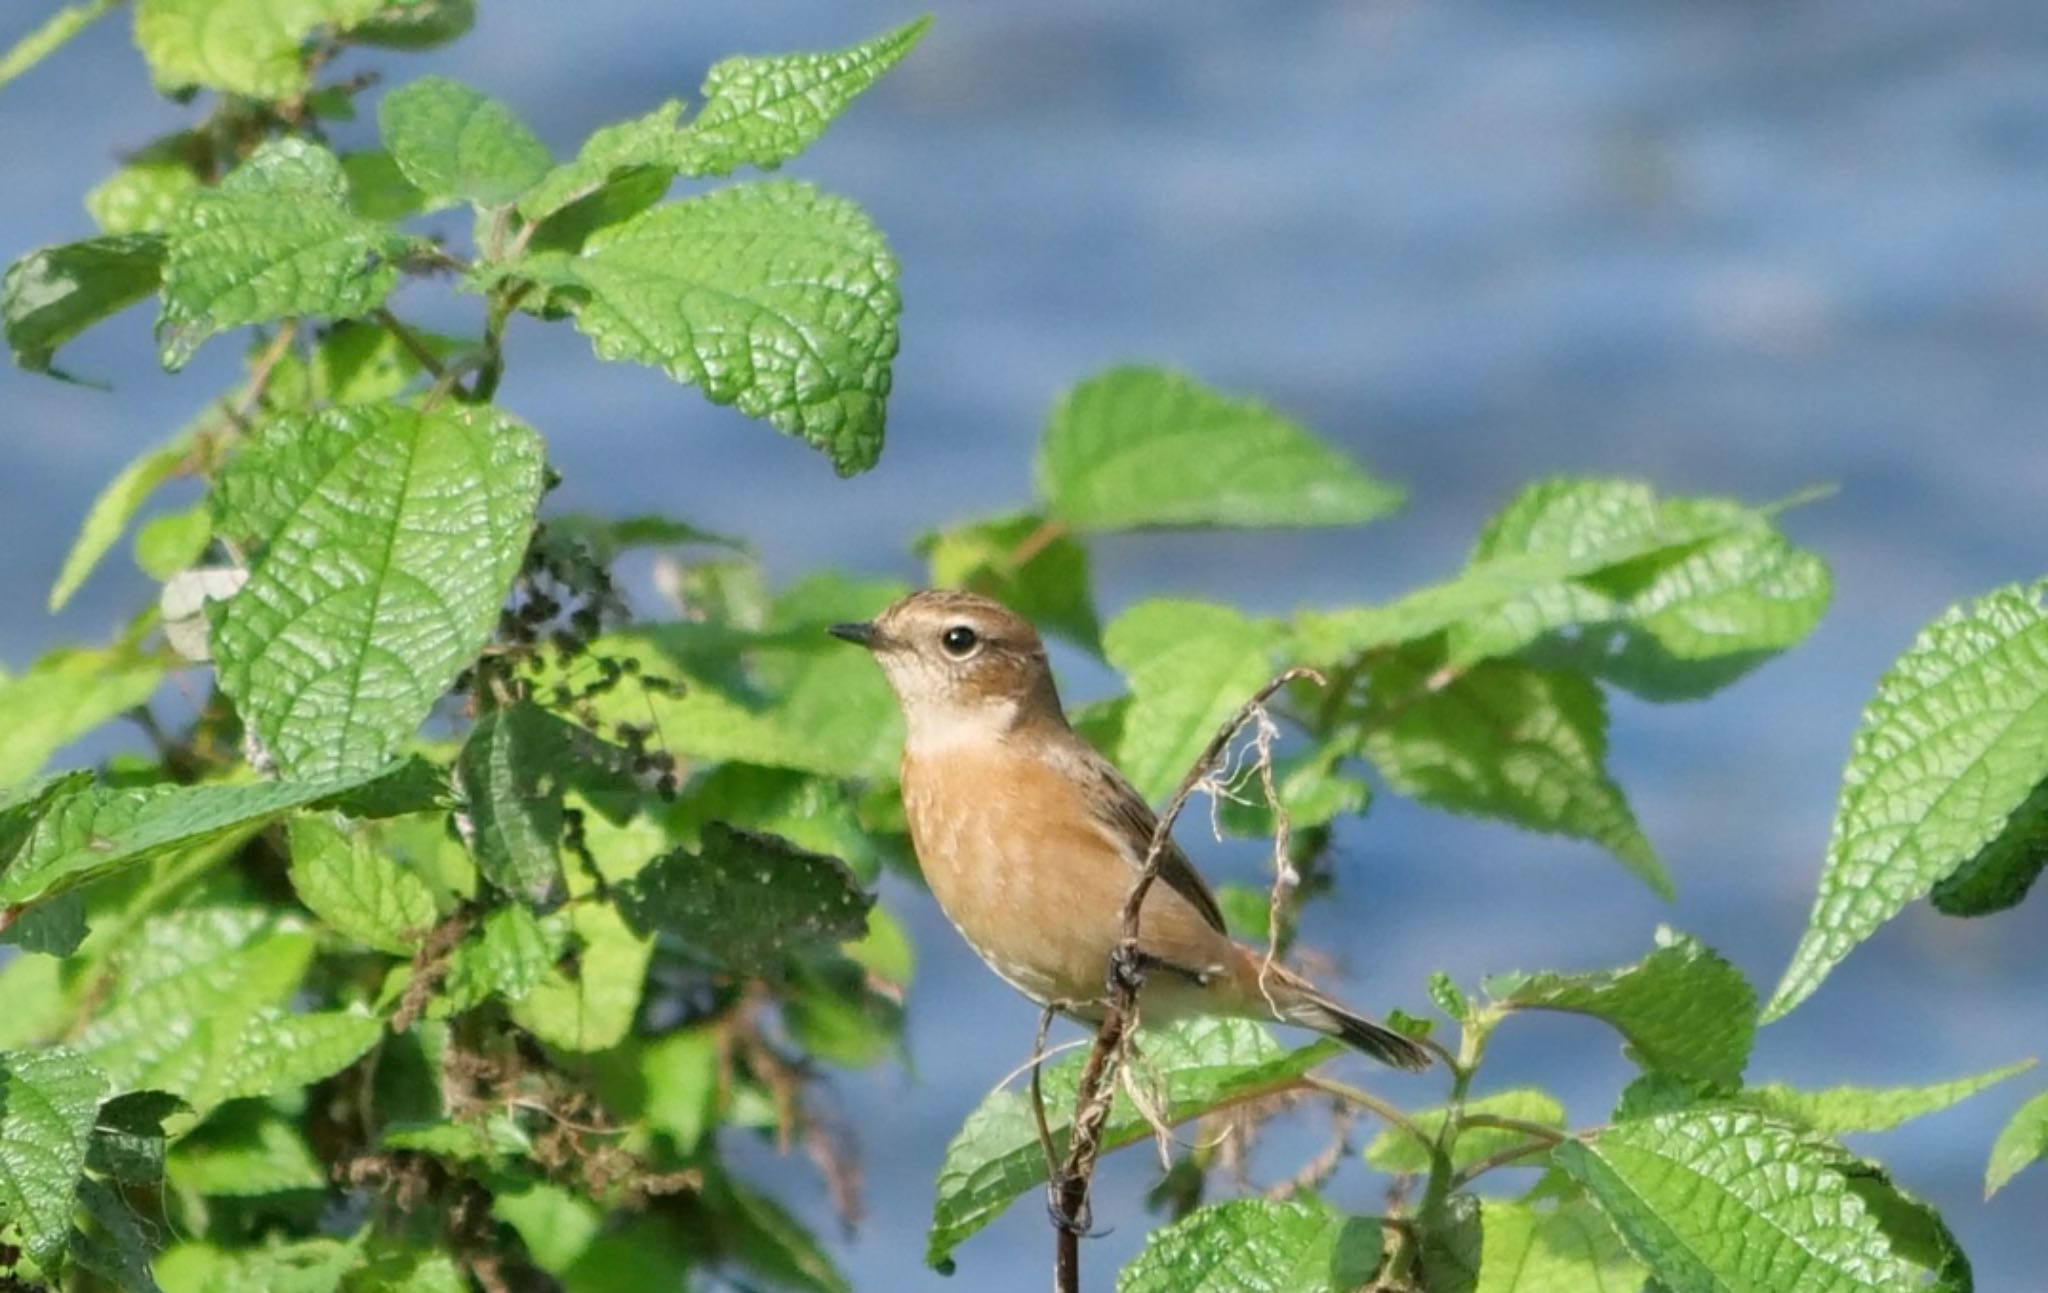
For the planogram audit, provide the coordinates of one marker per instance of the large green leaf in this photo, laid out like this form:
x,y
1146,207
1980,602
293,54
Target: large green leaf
x,y
1012,559
1143,446
198,1011
115,507
455,143
47,1103
1839,1110
64,695
1952,745
1569,1248
764,111
745,901
1257,1246
52,294
275,239
512,773
588,1004
1728,1202
358,888
1508,740
1190,1067
248,47
96,831
389,538
772,297
1189,666
2022,1141
1396,1150
1684,1010
1673,623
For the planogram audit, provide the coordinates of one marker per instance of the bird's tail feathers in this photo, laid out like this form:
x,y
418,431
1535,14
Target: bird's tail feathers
x,y
1299,1003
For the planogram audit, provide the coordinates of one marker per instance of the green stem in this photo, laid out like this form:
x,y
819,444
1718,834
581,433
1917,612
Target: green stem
x,y
1368,1101
1443,1179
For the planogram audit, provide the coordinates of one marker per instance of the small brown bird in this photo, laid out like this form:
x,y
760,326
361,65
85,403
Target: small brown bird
x,y
1031,840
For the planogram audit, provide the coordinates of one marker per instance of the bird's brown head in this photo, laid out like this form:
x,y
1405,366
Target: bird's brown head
x,y
964,667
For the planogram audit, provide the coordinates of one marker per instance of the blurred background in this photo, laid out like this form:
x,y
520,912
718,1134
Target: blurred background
x,y
1723,246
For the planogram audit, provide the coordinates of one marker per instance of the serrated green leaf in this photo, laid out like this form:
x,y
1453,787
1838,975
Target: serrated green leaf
x,y
96,831
52,34
1673,623
115,507
64,695
763,111
52,294
144,195
1565,1249
275,239
2022,1141
1189,666
1395,1150
377,189
453,142
128,1136
510,955
358,889
744,901
589,1005
247,47
487,1140
636,156
772,297
1952,745
1839,1110
47,1103
1137,447
1684,1010
1727,1202
1449,997
307,1266
784,696
1190,1067
390,537
245,1150
512,774
1506,740
811,812
1257,1246
1027,563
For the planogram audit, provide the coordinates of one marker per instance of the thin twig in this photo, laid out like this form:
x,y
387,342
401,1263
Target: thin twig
x,y
260,373
421,353
1368,1101
1513,1154
1125,975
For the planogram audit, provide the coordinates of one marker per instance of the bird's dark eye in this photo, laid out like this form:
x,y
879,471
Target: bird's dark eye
x,y
960,641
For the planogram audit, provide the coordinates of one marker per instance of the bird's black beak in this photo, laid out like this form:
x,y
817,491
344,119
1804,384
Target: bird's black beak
x,y
861,634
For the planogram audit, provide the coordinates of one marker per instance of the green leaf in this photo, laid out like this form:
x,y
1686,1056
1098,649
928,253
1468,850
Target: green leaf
x,y
787,696
1257,1246
417,25
275,239
1189,666
455,143
115,507
764,111
1137,447
512,773
1673,623
811,812
307,1266
1505,740
247,47
117,1246
635,159
96,831
390,538
362,363
2021,1142
197,1012
556,1224
357,888
1684,1010
64,695
48,1100
175,541
52,34
1566,1249
1452,1242
1026,562
745,901
2001,873
52,294
1721,1201
509,956
1394,1150
682,1075
1839,1110
1950,748
245,1150
377,189
412,1271
128,1136
772,297
1190,1067
148,191
589,1006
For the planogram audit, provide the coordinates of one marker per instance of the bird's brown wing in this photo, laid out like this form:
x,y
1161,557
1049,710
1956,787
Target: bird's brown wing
x,y
1124,812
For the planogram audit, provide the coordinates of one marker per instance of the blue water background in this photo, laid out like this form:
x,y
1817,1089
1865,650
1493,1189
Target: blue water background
x,y
1733,248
